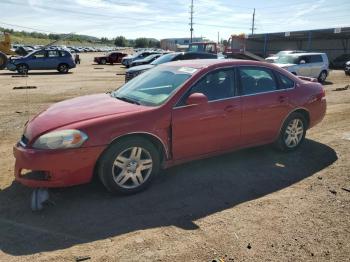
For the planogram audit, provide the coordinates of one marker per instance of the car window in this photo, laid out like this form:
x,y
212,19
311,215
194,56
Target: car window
x,y
53,53
307,59
40,54
285,82
64,53
215,85
256,80
316,59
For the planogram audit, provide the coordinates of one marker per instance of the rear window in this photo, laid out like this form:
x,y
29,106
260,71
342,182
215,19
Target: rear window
x,y
316,59
63,53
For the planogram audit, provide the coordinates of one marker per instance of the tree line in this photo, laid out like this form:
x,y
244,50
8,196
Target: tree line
x,y
119,41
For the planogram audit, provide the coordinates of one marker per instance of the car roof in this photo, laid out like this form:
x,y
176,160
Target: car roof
x,y
306,53
204,63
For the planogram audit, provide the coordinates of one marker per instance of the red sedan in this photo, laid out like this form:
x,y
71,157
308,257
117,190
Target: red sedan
x,y
176,112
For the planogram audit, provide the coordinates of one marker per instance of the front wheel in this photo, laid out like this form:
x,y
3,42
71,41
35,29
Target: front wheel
x,y
63,68
22,69
292,133
129,165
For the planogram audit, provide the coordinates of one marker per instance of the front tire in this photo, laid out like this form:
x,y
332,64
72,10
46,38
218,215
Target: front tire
x,y
103,61
293,132
129,165
22,69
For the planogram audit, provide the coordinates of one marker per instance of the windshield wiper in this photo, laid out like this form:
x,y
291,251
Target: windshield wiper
x,y
127,100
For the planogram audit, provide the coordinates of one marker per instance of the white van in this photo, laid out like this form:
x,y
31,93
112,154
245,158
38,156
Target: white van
x,y
306,64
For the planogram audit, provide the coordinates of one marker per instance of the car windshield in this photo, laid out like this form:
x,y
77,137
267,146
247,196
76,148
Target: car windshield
x,y
164,59
150,57
287,59
155,86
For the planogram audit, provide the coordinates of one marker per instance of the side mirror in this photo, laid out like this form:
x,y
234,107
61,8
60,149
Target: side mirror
x,y
302,62
197,99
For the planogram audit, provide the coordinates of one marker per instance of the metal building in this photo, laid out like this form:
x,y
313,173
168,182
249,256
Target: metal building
x,y
176,44
333,41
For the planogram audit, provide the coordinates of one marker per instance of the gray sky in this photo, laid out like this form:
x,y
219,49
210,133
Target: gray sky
x,y
163,19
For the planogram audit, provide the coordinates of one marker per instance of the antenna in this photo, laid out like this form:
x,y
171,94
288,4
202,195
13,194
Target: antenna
x,y
191,19
253,22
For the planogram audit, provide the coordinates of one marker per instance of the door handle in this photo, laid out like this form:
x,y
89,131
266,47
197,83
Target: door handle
x,y
282,99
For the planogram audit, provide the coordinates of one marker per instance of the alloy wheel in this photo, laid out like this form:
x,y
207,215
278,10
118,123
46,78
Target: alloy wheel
x,y
132,167
294,133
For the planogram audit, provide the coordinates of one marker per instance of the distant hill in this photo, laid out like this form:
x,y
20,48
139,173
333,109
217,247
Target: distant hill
x,y
23,37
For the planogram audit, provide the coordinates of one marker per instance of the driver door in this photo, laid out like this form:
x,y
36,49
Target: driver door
x,y
214,126
37,60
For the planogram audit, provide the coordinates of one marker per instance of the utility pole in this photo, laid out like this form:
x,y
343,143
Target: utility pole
x,y
253,22
218,37
191,24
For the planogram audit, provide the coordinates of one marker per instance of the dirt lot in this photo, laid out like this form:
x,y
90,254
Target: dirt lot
x,y
251,205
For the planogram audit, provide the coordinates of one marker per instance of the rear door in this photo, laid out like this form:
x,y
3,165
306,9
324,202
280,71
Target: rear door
x,y
215,126
305,68
264,105
53,59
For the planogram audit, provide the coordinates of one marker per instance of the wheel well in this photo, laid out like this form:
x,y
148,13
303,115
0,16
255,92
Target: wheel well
x,y
305,113
294,73
153,139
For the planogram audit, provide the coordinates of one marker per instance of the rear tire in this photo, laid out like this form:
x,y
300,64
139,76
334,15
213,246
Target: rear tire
x,y
22,69
63,68
128,166
103,61
322,77
292,133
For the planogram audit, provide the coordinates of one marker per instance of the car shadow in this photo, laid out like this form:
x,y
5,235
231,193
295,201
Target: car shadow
x,y
178,197
34,73
326,83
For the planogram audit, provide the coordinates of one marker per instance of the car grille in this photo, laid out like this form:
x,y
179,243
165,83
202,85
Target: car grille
x,y
131,75
128,76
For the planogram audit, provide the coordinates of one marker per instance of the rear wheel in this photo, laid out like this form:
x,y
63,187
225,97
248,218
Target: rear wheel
x,y
322,77
22,69
103,61
292,133
129,165
63,68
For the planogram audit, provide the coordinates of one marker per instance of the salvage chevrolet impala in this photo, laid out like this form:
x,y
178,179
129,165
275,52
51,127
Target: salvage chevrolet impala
x,y
173,113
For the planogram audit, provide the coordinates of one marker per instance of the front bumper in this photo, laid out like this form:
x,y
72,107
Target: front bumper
x,y
10,66
56,168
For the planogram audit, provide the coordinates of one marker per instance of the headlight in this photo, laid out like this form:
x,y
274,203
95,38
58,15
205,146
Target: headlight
x,y
61,139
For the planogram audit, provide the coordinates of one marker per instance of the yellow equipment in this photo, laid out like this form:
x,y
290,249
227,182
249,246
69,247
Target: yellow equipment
x,y
5,49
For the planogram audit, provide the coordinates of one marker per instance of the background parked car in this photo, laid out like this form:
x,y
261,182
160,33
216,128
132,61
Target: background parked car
x,y
126,61
136,70
110,58
59,60
149,59
339,62
273,58
306,64
347,68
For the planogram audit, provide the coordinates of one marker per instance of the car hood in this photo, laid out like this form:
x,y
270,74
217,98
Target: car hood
x,y
140,68
77,110
284,65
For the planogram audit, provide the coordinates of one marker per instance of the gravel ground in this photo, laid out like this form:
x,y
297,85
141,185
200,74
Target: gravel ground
x,y
252,205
